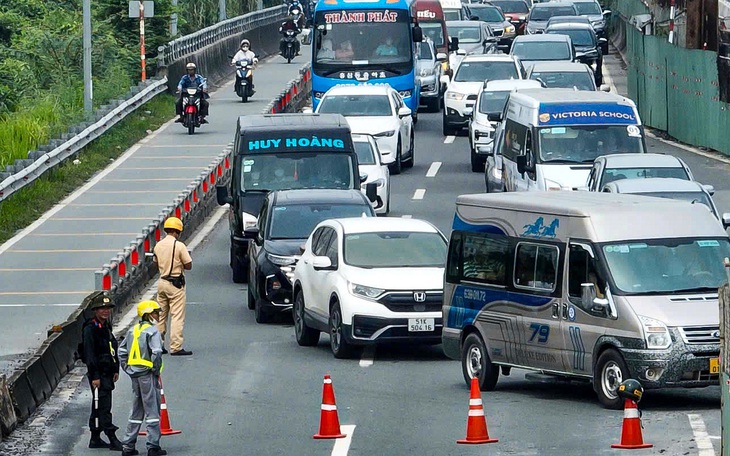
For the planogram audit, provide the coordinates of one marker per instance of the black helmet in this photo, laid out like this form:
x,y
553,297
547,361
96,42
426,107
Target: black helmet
x,y
99,300
631,389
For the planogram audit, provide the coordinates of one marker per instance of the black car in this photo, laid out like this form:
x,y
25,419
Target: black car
x,y
286,220
588,47
542,12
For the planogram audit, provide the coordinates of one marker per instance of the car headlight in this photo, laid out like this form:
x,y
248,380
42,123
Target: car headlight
x,y
248,220
509,29
427,72
455,96
365,292
280,260
656,333
383,134
552,185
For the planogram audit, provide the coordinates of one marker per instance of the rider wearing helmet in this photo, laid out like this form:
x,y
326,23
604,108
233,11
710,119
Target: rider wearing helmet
x,y
192,79
292,22
244,53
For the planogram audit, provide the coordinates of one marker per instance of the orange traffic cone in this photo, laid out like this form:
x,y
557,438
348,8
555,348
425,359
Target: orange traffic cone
x,y
476,425
631,438
329,423
165,428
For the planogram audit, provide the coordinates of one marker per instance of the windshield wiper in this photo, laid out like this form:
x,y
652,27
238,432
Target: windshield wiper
x,y
559,160
695,290
256,190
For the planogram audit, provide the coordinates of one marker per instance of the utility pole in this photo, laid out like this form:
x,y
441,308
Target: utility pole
x,y
173,20
88,87
222,10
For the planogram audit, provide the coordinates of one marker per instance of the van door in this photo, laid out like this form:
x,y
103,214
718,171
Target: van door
x,y
514,142
536,273
582,327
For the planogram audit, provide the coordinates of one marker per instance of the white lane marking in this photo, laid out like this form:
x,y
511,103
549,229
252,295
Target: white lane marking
x,y
449,139
406,216
129,318
702,439
419,194
342,446
73,196
368,355
684,147
433,169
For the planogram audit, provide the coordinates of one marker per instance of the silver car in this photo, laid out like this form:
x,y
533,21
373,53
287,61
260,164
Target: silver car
x,y
429,72
609,168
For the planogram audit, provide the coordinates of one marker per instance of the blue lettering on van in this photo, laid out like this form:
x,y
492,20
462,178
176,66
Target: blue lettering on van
x,y
538,228
296,143
587,114
467,302
542,332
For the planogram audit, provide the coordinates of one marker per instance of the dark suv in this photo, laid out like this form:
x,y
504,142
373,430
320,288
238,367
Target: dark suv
x,y
286,220
588,47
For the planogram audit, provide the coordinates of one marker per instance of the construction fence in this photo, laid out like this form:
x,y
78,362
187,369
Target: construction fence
x,y
677,90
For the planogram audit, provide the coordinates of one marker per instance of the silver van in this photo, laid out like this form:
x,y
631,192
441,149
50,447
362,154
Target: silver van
x,y
550,137
581,285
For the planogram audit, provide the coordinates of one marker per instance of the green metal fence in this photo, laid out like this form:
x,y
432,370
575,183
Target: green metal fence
x,y
676,89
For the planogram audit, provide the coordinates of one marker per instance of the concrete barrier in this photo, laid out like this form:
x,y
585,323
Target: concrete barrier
x,y
21,395
8,419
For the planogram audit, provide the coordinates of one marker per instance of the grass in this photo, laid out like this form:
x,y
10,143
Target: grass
x,y
28,204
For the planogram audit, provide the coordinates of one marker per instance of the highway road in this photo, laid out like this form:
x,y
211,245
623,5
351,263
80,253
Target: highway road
x,y
249,389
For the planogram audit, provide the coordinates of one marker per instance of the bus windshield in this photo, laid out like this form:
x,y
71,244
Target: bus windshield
x,y
583,143
434,31
352,39
284,171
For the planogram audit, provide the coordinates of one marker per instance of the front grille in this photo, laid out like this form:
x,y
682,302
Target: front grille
x,y
498,32
404,301
700,335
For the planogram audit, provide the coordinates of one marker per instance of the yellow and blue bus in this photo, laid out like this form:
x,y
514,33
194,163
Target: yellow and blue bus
x,y
365,42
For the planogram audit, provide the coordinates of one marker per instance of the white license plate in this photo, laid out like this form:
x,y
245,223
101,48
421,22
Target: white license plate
x,y
420,324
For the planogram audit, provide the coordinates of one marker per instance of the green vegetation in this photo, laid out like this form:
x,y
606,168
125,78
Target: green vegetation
x,y
31,202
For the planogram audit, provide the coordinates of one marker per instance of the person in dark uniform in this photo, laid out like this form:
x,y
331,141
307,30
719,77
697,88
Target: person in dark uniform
x,y
100,355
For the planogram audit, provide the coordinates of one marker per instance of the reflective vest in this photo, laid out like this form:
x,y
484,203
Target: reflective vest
x,y
135,357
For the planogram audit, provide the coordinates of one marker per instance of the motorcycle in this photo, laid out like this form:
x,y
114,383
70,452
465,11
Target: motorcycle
x,y
244,79
289,45
191,107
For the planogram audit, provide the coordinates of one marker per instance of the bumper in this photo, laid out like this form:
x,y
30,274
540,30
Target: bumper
x,y
455,118
451,342
368,330
275,289
430,87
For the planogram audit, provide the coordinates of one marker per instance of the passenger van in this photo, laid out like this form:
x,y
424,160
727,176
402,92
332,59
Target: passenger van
x,y
581,285
552,136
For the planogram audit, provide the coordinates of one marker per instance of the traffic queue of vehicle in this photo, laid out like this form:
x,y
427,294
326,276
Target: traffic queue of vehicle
x,y
511,286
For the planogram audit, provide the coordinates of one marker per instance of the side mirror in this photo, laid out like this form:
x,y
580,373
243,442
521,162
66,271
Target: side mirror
x,y
602,41
473,18
494,116
321,262
606,13
222,196
453,43
605,88
468,112
417,34
521,161
589,301
251,232
404,112
363,177
726,220
709,189
371,191
441,57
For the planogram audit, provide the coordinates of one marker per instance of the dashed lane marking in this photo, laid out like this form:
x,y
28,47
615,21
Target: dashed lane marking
x,y
419,194
433,169
368,356
406,216
449,139
702,439
342,446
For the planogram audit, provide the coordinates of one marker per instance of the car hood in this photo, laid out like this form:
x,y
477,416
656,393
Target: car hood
x,y
569,176
398,278
535,24
371,124
472,48
469,88
585,48
284,246
424,65
678,310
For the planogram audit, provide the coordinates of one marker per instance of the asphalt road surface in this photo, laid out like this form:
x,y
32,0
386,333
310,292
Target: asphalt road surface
x,y
249,389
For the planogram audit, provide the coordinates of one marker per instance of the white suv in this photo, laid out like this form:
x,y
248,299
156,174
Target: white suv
x,y
370,280
468,81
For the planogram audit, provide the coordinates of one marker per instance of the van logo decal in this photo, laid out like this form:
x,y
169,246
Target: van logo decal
x,y
538,229
716,334
544,117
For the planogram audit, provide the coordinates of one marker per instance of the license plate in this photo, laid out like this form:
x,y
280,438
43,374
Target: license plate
x,y
714,365
420,324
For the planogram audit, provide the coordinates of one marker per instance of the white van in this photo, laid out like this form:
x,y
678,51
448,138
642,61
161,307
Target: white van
x,y
551,136
581,285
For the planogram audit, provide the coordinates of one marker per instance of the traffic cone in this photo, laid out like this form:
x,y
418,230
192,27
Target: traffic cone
x,y
329,423
631,438
165,428
476,425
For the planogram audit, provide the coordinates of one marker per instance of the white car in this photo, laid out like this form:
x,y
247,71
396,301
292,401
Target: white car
x,y
609,168
371,164
461,94
375,110
484,118
367,281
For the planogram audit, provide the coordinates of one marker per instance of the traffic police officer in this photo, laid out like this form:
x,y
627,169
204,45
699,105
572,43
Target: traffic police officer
x,y
141,358
172,258
100,356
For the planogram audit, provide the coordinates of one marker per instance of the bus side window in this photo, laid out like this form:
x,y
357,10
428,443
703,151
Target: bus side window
x,y
485,258
514,135
453,264
536,266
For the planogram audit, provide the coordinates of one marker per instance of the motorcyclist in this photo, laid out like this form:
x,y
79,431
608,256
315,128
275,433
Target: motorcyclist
x,y
244,52
291,23
192,79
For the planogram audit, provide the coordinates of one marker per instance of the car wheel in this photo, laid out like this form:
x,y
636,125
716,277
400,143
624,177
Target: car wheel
x,y
306,336
412,149
477,164
262,316
251,299
446,129
610,371
475,362
239,271
396,166
340,347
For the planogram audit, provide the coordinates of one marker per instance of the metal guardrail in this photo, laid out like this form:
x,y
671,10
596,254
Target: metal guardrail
x,y
179,48
51,159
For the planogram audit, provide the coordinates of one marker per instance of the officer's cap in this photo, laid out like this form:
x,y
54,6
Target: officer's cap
x,y
99,300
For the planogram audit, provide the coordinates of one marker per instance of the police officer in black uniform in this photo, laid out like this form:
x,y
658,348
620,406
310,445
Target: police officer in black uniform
x,y
100,356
